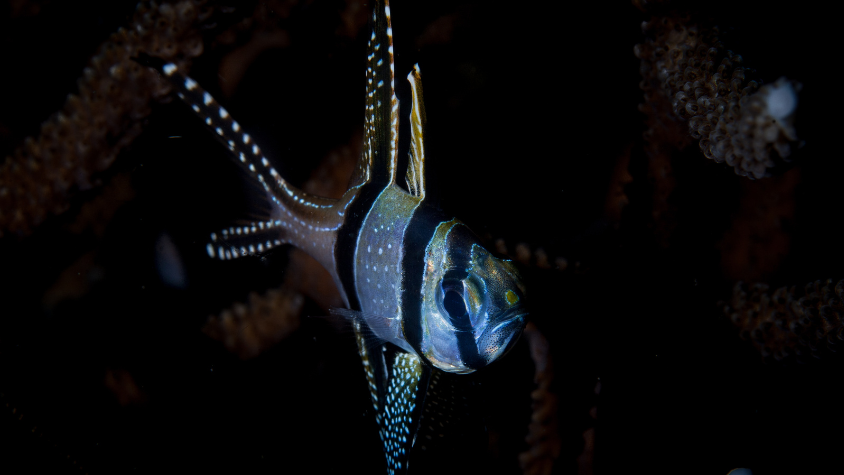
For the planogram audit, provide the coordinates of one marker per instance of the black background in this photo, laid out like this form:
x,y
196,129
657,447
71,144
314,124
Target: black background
x,y
529,108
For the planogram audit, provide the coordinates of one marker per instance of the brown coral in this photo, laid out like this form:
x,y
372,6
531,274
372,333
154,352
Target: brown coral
x,y
248,329
789,324
543,437
523,254
101,118
735,121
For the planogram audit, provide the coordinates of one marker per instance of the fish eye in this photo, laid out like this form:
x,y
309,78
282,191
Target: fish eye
x,y
454,305
453,301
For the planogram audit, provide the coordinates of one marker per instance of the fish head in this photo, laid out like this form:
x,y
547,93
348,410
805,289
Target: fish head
x,y
473,308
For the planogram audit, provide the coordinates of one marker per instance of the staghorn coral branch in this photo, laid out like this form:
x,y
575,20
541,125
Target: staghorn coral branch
x,y
543,438
788,324
522,253
735,121
101,119
249,329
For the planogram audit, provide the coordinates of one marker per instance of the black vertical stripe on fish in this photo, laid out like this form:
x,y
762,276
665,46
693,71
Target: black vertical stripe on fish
x,y
416,238
465,336
347,238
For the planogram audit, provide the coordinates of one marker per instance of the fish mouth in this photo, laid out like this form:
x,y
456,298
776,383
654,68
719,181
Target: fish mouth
x,y
497,341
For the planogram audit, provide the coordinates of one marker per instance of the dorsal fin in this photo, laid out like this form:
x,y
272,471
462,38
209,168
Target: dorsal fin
x,y
416,161
377,163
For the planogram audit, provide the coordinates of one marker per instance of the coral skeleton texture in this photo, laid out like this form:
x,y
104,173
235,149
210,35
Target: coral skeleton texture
x,y
543,435
109,365
248,329
101,118
790,324
736,121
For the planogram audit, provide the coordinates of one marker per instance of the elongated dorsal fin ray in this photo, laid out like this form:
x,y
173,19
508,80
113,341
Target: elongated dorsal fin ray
x,y
416,165
377,163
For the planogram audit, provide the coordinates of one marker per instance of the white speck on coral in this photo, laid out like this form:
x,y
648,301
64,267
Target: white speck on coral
x,y
781,100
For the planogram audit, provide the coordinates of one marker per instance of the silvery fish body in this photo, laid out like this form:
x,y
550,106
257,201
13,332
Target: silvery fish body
x,y
422,292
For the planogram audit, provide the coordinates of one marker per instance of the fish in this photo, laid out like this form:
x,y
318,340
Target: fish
x,y
423,294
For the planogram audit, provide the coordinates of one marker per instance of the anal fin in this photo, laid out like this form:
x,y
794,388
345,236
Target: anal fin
x,y
398,384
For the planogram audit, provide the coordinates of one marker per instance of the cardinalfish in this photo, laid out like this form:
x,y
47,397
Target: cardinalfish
x,y
421,291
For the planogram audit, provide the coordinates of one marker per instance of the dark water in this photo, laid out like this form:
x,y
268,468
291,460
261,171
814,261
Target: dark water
x,y
529,109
